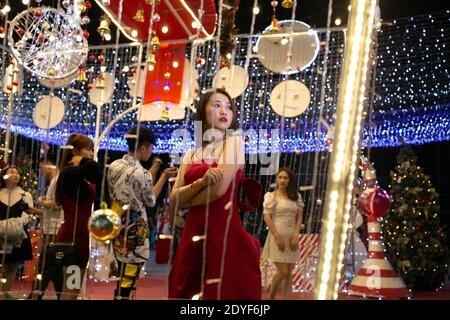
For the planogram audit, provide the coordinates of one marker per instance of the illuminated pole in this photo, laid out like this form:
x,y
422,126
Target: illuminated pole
x,y
344,156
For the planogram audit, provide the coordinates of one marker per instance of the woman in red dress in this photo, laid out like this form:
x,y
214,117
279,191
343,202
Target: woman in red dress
x,y
223,262
75,192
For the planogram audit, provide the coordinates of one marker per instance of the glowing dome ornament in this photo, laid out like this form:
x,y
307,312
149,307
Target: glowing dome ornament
x,y
104,224
54,38
278,55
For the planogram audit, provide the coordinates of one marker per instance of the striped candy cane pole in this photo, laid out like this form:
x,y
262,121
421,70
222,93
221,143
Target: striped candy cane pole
x,y
377,278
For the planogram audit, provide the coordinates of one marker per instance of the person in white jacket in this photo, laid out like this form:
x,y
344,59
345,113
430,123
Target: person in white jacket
x,y
15,207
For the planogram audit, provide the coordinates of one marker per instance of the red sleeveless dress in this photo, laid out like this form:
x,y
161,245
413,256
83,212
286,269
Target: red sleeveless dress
x,y
241,278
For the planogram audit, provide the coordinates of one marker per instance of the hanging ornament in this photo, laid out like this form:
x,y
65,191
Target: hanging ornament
x,y
90,86
287,4
41,38
66,3
2,32
156,18
91,58
298,153
85,34
101,58
85,20
155,45
165,112
151,60
293,126
139,16
274,26
87,4
105,2
166,88
100,84
167,75
38,12
104,30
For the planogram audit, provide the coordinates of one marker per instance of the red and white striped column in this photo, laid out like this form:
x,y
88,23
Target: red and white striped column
x,y
377,278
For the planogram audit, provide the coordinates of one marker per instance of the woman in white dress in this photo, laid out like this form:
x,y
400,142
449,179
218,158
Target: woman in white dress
x,y
283,215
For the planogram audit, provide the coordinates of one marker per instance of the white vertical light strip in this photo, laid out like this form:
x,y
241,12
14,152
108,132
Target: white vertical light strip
x,y
344,156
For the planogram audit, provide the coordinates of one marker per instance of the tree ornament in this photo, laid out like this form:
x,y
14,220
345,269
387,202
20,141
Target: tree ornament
x,y
85,34
156,18
66,3
166,88
106,2
85,20
139,16
375,202
287,4
2,32
90,86
155,45
167,75
87,4
101,58
38,12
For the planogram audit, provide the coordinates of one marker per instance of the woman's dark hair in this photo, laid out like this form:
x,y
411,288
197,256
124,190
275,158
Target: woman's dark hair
x,y
78,142
204,100
291,188
3,172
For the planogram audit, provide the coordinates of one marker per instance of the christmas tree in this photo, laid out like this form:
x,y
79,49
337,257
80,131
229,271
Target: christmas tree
x,y
414,237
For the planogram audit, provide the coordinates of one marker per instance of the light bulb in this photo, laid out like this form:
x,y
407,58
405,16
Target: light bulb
x,y
175,64
6,9
255,10
108,36
134,33
165,29
26,2
194,25
337,22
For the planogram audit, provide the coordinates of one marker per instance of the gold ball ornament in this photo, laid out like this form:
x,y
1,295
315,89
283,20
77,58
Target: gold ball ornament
x,y
104,224
50,72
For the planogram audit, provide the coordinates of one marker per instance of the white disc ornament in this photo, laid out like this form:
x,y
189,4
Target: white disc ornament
x,y
51,45
137,85
274,48
49,112
290,98
101,94
234,80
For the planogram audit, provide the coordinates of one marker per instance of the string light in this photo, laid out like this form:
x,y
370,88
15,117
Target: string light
x,y
415,114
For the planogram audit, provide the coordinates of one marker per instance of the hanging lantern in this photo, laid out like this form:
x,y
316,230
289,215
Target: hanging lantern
x,y
287,4
139,16
104,30
155,42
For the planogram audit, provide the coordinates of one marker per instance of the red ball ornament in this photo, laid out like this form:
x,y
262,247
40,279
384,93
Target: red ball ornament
x,y
2,30
91,58
87,4
38,12
85,34
20,32
375,202
101,58
41,37
90,86
74,102
9,87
